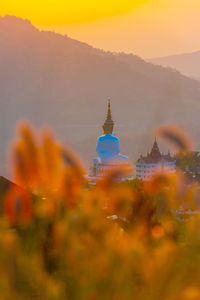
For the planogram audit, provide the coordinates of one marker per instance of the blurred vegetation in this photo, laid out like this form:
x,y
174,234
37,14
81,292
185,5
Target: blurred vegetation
x,y
62,239
189,163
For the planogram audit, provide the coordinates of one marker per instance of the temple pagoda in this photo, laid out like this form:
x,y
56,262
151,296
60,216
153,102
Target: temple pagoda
x,y
146,166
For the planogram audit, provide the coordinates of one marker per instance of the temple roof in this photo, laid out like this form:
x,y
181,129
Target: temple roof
x,y
155,156
155,152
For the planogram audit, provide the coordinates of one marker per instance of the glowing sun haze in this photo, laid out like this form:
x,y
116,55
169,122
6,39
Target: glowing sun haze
x,y
63,12
144,27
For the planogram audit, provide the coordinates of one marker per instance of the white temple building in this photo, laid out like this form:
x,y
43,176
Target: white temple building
x,y
108,149
147,166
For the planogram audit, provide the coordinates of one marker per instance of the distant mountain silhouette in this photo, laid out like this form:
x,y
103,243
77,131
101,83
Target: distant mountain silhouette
x,y
187,63
56,81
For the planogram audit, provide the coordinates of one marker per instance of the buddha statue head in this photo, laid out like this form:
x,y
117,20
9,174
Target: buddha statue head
x,y
108,145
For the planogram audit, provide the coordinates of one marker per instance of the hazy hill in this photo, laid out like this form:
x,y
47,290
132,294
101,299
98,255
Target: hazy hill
x,y
188,63
53,80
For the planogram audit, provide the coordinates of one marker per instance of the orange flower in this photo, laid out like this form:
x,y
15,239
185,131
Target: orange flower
x,y
18,208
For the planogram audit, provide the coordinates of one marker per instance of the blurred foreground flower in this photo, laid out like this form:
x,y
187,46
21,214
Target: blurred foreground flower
x,y
178,139
61,238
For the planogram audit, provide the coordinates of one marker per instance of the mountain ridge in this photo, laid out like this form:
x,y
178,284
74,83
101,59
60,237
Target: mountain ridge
x,y
53,80
186,63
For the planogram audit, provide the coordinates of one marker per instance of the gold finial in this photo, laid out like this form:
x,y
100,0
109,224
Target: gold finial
x,y
108,124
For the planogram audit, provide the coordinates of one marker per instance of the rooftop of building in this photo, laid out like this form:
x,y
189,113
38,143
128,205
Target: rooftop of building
x,y
155,156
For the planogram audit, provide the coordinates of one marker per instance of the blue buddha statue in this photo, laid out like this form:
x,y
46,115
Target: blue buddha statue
x,y
108,145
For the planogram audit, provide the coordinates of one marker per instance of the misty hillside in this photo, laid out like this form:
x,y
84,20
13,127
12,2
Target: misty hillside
x,y
53,80
188,64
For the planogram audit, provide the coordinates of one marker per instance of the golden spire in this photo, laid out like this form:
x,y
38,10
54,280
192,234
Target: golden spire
x,y
109,123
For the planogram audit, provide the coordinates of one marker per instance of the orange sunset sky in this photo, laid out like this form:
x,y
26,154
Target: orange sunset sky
x,y
145,27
